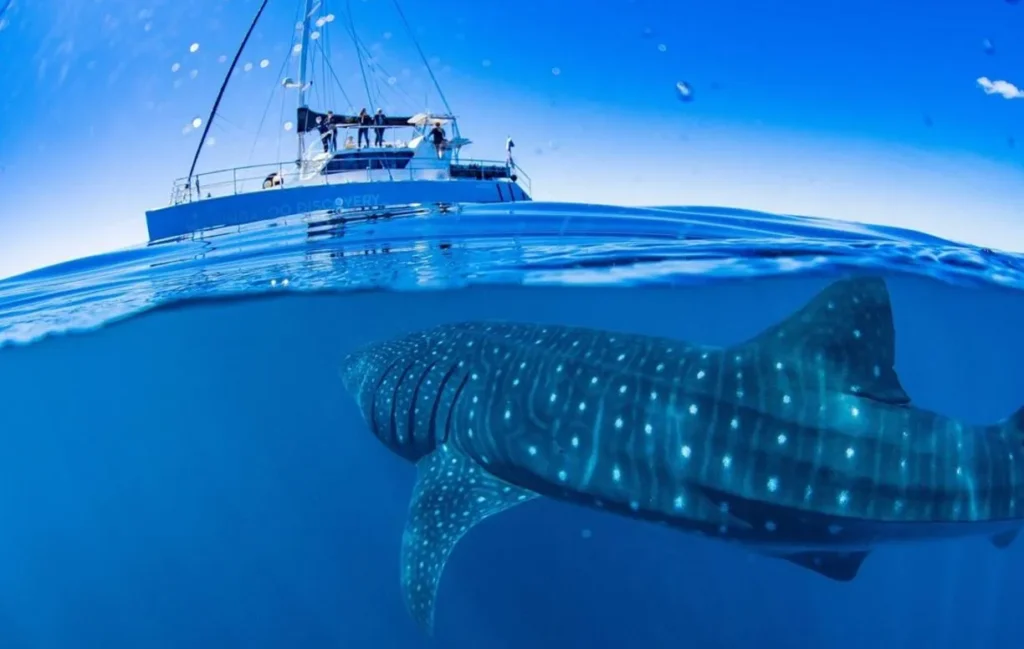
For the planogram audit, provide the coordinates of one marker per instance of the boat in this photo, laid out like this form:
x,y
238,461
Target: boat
x,y
414,162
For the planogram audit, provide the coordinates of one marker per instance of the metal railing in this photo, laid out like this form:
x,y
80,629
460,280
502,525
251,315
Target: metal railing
x,y
280,175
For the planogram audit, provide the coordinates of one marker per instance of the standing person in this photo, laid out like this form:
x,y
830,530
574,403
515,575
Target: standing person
x,y
364,131
379,119
508,151
437,135
328,131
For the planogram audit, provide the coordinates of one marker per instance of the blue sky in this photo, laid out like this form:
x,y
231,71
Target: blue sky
x,y
870,111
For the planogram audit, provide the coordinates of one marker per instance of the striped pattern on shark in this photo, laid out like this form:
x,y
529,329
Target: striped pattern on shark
x,y
800,443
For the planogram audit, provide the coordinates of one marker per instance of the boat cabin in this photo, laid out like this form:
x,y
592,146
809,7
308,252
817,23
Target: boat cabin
x,y
363,151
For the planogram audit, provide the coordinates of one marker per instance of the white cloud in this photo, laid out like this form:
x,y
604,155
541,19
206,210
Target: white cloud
x,y
998,87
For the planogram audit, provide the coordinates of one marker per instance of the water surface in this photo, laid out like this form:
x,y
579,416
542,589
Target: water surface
x,y
183,467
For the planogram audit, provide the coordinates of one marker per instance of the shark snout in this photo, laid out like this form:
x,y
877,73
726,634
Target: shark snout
x,y
353,371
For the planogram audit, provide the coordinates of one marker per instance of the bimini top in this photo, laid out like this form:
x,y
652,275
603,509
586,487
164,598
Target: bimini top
x,y
310,120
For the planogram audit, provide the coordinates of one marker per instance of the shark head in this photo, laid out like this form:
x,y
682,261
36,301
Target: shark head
x,y
403,391
355,369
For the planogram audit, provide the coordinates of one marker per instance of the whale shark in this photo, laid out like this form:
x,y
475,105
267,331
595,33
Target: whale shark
x,y
799,444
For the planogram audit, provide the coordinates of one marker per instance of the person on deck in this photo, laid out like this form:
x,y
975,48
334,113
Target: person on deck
x,y
437,135
509,144
364,132
379,120
328,132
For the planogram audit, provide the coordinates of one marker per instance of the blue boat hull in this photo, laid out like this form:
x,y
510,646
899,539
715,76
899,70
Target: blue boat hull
x,y
251,207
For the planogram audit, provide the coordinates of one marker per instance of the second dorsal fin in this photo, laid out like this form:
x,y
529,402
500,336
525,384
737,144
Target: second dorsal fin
x,y
848,330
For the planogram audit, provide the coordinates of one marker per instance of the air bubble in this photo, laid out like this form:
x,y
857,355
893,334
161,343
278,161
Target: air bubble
x,y
684,91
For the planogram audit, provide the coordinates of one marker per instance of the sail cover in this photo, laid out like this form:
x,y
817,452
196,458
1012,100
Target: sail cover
x,y
310,120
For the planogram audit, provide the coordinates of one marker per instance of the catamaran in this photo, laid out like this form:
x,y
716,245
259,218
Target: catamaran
x,y
413,161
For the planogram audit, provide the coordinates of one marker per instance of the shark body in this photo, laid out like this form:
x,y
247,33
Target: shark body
x,y
800,443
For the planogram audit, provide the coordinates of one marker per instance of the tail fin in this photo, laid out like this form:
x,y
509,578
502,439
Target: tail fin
x,y
1014,425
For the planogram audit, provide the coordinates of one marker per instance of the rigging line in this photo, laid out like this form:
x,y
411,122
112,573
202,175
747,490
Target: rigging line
x,y
224,120
376,81
423,56
286,59
395,88
223,87
280,120
355,41
370,63
266,110
325,49
328,91
330,68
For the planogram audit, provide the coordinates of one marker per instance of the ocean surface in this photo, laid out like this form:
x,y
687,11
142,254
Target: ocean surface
x,y
182,467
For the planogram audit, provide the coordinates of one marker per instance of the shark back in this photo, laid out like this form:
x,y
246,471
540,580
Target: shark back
x,y
803,434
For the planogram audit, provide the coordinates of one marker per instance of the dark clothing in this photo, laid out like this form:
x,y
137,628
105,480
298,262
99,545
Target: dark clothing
x,y
437,135
328,134
379,119
329,139
364,121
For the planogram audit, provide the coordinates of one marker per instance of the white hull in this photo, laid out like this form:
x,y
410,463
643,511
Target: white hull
x,y
278,202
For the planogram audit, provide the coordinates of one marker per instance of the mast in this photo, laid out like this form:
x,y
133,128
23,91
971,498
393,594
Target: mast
x,y
220,93
303,54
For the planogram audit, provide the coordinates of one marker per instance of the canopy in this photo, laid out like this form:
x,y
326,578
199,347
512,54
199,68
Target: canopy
x,y
309,120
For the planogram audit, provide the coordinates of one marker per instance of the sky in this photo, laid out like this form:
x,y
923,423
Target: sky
x,y
898,112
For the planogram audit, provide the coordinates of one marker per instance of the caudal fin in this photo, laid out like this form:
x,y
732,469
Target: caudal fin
x,y
1014,424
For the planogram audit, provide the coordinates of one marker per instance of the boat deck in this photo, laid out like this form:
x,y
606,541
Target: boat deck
x,y
338,170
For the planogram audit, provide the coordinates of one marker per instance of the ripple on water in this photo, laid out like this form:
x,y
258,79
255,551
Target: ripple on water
x,y
538,243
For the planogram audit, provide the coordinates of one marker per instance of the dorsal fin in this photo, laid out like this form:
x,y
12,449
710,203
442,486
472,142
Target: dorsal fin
x,y
848,328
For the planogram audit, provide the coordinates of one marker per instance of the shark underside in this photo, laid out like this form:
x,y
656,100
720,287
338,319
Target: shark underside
x,y
800,443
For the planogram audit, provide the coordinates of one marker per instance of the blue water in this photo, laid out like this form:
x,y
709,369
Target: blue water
x,y
183,469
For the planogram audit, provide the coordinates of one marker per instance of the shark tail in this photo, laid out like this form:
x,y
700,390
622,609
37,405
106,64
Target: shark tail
x,y
1013,427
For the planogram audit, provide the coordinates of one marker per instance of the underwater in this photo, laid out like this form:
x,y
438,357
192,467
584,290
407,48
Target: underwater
x,y
390,395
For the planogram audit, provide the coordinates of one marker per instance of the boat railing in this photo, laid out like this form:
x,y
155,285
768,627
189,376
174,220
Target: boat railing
x,y
282,175
522,176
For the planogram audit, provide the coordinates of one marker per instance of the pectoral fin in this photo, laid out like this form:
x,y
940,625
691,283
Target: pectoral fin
x,y
451,495
1004,539
838,566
